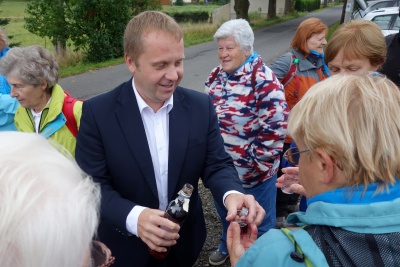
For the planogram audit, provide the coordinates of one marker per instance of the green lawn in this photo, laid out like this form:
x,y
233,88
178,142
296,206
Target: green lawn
x,y
15,11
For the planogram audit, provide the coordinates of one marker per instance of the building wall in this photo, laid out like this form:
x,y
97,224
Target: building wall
x,y
261,6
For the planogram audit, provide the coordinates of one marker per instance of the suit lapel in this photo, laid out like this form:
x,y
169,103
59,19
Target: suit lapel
x,y
131,125
179,122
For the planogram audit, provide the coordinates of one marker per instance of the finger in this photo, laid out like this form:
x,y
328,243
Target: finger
x,y
235,247
298,189
234,202
259,215
291,170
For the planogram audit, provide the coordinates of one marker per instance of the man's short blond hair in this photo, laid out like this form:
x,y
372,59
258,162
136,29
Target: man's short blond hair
x,y
141,25
356,120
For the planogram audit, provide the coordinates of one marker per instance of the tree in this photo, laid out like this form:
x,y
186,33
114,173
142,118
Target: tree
x,y
95,27
241,8
99,27
272,9
48,18
289,6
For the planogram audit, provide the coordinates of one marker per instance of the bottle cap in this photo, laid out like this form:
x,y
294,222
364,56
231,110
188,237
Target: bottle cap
x,y
243,212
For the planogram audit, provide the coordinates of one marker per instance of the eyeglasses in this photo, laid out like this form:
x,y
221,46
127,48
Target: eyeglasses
x,y
100,255
293,155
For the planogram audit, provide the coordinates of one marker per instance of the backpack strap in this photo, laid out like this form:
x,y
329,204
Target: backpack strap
x,y
214,75
68,111
292,74
254,72
297,250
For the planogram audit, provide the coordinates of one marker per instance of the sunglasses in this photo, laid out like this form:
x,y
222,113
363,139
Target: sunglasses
x,y
293,155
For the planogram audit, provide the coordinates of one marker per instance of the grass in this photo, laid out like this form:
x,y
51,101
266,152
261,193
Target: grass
x,y
73,63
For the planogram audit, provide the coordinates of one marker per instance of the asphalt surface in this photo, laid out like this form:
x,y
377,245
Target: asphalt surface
x,y
270,42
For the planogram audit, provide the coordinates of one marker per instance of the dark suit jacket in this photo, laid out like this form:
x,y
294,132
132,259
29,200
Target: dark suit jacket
x,y
112,147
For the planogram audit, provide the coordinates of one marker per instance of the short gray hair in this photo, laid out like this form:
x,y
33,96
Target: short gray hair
x,y
31,64
240,30
49,207
3,39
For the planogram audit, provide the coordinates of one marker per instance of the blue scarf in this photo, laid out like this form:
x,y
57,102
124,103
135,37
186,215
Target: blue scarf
x,y
249,59
321,56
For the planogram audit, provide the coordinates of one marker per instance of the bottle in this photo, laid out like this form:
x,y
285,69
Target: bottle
x,y
241,220
177,211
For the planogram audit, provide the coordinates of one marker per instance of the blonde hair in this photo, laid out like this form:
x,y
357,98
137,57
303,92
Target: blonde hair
x,y
142,24
48,206
358,39
355,120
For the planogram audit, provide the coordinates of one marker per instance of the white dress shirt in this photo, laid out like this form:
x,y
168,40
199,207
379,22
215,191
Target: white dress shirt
x,y
156,125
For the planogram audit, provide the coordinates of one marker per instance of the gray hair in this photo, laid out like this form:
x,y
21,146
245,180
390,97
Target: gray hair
x,y
31,64
240,30
49,207
3,39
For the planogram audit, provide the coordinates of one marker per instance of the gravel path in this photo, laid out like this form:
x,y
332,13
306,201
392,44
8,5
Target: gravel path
x,y
214,228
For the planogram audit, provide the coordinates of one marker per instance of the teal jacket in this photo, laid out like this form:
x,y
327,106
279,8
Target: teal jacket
x,y
8,104
344,208
25,123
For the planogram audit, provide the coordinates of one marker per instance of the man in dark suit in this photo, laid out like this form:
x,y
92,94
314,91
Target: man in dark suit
x,y
144,140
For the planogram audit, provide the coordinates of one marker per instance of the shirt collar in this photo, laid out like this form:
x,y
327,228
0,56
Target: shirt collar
x,y
169,104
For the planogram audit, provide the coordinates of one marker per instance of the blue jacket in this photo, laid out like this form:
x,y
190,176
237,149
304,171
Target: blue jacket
x,y
371,214
8,104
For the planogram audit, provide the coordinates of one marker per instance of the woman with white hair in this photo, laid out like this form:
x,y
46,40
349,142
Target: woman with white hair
x,y
252,114
347,133
48,206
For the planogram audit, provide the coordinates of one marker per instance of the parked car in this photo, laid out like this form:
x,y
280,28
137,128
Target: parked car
x,y
388,19
374,5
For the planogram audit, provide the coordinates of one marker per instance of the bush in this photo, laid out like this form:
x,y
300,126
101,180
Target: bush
x,y
190,16
178,3
307,5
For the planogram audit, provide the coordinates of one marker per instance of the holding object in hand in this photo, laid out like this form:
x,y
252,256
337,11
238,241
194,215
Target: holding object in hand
x,y
177,212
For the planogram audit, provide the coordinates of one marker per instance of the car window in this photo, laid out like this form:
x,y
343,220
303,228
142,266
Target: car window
x,y
396,25
379,5
383,21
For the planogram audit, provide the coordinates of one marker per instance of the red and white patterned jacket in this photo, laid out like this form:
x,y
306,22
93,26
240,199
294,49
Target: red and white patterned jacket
x,y
252,121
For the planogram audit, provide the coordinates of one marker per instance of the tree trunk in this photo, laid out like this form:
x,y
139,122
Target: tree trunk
x,y
272,9
289,7
325,3
60,47
241,8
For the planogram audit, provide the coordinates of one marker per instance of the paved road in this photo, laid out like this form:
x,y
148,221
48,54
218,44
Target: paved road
x,y
270,42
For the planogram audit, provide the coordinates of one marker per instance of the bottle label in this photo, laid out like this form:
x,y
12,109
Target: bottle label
x,y
186,205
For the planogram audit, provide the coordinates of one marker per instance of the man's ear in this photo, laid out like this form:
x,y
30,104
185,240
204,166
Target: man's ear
x,y
129,62
326,166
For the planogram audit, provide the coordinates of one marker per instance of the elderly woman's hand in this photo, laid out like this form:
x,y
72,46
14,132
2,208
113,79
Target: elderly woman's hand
x,y
291,173
238,243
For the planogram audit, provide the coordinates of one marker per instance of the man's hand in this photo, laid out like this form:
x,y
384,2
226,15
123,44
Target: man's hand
x,y
237,244
156,231
235,202
291,172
